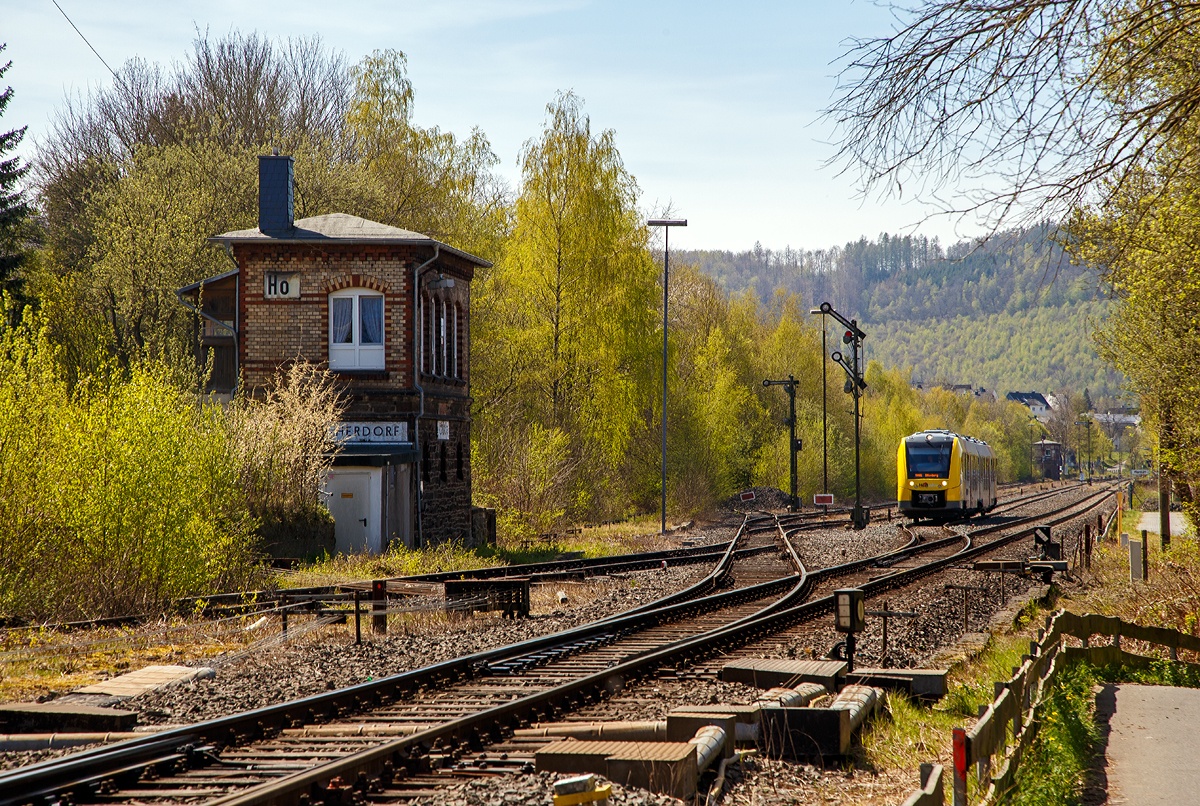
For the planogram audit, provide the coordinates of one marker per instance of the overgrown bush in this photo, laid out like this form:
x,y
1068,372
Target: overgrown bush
x,y
282,445
526,476
117,494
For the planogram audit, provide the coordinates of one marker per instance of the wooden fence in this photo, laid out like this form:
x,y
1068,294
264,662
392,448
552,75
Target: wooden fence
x,y
983,750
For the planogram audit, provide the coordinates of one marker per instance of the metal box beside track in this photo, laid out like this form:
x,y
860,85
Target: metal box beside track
x,y
509,594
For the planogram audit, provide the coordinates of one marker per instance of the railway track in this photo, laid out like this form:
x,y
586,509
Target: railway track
x,y
339,747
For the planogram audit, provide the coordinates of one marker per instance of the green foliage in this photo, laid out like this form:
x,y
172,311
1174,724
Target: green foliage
x,y
1008,313
570,367
1053,769
528,479
424,180
116,495
135,179
1044,349
564,328
1142,238
1160,672
14,209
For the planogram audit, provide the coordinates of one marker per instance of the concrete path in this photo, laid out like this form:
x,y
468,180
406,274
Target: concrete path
x,y
1149,522
1153,753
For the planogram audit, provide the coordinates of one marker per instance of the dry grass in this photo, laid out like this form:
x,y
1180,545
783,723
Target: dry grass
x,y
397,562
1169,598
34,663
600,541
37,662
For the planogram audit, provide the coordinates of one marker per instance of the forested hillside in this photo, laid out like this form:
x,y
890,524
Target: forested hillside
x,y
1009,313
565,325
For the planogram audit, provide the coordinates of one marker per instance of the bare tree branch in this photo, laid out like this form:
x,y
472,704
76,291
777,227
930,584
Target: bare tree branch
x,y
1011,111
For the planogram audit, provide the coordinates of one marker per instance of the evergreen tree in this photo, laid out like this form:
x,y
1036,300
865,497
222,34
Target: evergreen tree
x,y
14,210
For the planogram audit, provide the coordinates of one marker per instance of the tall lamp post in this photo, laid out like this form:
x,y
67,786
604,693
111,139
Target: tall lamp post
x,y
824,405
852,338
666,223
1032,469
1088,423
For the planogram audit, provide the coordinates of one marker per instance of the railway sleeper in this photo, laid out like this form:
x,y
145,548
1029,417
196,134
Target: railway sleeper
x,y
778,620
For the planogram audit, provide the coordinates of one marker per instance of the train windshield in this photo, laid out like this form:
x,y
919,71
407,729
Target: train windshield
x,y
930,460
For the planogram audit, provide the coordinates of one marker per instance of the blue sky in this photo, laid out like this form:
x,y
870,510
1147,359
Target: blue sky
x,y
716,106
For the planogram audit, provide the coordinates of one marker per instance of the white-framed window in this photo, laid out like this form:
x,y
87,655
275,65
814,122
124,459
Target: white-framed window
x,y
356,332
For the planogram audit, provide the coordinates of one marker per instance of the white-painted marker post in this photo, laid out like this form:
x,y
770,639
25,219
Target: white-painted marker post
x,y
1136,572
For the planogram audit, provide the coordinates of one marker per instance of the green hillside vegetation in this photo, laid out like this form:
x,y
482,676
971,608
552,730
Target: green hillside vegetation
x,y
1009,313
565,327
1044,349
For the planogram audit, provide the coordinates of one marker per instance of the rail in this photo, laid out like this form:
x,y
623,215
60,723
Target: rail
x,y
42,779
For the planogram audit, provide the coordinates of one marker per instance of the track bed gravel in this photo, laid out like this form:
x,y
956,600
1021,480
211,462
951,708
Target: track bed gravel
x,y
536,788
305,668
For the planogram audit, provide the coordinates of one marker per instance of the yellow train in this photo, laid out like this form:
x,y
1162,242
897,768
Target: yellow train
x,y
944,476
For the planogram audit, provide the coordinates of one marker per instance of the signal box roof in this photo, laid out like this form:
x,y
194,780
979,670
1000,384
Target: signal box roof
x,y
342,228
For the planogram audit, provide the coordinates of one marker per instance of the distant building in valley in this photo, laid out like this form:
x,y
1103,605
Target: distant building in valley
x,y
1037,405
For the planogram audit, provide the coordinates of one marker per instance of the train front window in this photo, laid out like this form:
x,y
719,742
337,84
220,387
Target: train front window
x,y
928,461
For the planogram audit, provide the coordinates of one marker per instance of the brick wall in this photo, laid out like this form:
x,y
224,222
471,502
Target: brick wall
x,y
446,498
274,332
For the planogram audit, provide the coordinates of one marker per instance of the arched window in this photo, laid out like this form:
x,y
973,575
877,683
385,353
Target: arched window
x,y
435,340
356,336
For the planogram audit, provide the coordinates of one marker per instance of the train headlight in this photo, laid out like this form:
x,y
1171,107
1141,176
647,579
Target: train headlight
x,y
912,484
945,483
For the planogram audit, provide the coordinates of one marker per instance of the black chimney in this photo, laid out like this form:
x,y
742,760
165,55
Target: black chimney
x,y
275,205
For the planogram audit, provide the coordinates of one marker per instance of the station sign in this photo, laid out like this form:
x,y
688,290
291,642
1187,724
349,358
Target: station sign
x,y
747,496
823,499
360,433
281,285
1141,473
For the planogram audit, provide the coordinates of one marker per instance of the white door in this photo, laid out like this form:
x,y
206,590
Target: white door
x,y
350,505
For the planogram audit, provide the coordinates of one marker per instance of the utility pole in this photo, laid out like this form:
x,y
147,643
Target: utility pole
x,y
1088,423
794,444
852,338
666,223
824,404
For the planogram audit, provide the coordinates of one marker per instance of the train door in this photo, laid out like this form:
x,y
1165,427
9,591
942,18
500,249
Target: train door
x,y
968,488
